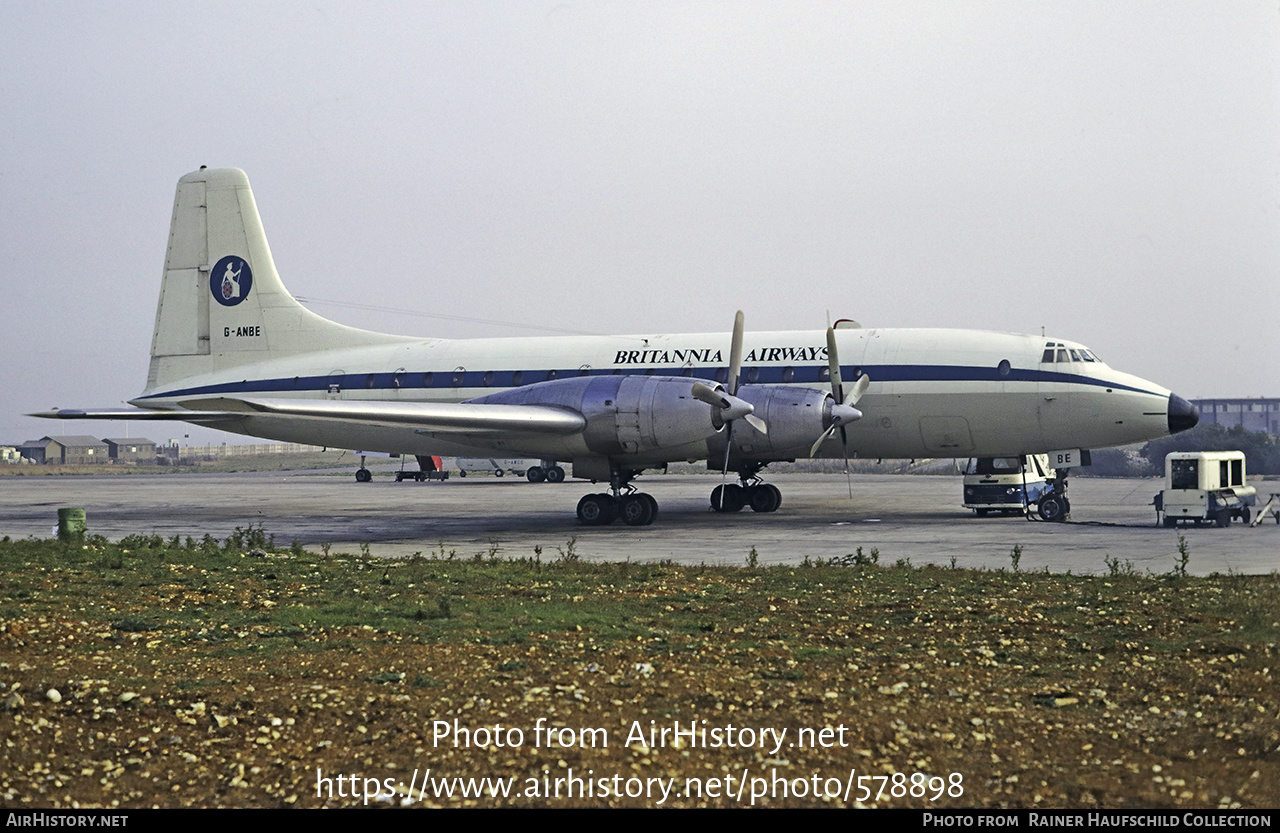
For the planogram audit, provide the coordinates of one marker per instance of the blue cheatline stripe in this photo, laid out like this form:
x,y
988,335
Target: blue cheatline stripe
x,y
808,375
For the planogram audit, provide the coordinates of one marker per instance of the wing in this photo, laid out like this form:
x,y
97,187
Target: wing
x,y
474,419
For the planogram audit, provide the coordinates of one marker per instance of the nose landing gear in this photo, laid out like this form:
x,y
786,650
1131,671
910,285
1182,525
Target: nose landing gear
x,y
1053,505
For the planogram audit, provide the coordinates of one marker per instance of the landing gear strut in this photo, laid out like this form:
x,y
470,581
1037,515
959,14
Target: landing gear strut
x,y
622,501
1054,505
753,492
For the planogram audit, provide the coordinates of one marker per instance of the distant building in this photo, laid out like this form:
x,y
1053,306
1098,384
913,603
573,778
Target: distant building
x,y
1260,414
131,450
76,449
33,450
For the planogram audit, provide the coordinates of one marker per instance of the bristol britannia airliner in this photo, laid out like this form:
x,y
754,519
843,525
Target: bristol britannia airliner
x,y
233,350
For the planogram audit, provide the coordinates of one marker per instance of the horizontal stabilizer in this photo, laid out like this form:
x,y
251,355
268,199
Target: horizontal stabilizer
x,y
137,413
444,417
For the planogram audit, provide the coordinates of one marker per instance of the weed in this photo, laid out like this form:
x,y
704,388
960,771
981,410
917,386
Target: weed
x,y
1184,557
753,559
1016,556
250,538
1116,567
953,562
569,551
902,563
364,549
324,548
296,548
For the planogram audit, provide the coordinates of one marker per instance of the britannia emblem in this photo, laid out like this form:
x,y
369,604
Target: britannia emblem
x,y
230,280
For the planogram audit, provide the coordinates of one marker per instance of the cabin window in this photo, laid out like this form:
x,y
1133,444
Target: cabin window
x,y
1004,367
428,378
458,374
585,370
753,375
517,378
788,374
397,379
552,375
370,381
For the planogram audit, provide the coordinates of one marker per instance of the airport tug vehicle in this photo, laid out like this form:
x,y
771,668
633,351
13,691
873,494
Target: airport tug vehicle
x,y
1007,484
1204,487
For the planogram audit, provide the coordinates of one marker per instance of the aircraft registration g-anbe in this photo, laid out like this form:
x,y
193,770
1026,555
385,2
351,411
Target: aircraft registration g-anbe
x,y
234,350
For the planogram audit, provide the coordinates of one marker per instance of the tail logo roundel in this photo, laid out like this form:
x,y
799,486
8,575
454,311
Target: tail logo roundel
x,y
230,280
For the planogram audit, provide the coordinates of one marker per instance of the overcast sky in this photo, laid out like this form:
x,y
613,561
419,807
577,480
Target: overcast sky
x,y
1109,171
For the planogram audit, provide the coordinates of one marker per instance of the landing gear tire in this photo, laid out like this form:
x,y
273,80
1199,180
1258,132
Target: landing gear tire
x,y
1244,515
728,498
363,475
637,509
1222,518
555,474
1053,508
597,510
498,472
764,498
535,474
1170,523
462,472
981,513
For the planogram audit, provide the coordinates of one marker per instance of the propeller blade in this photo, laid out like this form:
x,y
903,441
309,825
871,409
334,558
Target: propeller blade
x,y
735,355
826,435
724,473
730,407
859,388
833,361
756,423
709,395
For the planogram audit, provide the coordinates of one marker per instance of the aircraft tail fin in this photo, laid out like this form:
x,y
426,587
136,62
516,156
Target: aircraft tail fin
x,y
222,304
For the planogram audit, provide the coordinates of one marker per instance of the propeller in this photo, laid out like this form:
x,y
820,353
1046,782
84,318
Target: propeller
x,y
726,402
842,410
731,407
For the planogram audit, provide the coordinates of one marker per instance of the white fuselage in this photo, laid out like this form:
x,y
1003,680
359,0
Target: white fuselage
x,y
933,392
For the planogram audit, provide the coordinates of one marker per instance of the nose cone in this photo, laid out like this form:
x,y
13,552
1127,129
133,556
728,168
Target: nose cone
x,y
1182,414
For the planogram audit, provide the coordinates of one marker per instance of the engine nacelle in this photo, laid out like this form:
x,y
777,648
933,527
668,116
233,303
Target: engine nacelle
x,y
627,416
796,416
656,419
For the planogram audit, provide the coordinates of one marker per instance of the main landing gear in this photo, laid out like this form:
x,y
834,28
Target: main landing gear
x,y
622,501
753,492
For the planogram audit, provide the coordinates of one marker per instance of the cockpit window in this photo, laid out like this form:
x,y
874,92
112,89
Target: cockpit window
x,y
1056,351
